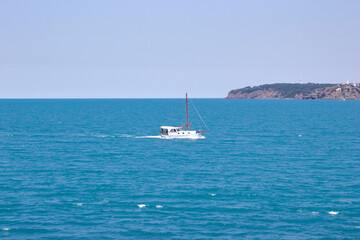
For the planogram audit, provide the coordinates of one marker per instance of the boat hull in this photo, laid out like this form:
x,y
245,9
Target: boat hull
x,y
183,135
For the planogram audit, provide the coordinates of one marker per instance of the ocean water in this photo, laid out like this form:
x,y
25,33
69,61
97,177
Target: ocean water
x,y
95,169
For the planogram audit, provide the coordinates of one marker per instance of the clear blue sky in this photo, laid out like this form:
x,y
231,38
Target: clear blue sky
x,y
131,49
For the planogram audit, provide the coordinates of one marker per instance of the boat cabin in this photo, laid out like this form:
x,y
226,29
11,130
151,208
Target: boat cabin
x,y
165,130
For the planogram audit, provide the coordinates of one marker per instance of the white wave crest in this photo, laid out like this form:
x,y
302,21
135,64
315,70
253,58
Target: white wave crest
x,y
333,213
141,205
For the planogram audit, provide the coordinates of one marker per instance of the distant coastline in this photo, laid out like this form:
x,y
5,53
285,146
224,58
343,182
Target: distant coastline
x,y
298,91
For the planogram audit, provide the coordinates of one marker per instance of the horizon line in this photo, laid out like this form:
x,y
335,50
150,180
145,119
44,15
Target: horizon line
x,y
74,98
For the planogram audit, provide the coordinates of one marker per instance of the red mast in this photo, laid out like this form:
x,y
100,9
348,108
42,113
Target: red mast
x,y
187,114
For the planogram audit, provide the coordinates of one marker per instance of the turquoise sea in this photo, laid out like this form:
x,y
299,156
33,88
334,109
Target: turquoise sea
x,y
94,169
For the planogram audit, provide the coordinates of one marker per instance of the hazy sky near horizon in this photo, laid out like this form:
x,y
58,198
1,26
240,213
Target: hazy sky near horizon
x,y
142,49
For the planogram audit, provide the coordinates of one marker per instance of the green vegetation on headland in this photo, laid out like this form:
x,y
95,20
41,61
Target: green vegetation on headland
x,y
297,91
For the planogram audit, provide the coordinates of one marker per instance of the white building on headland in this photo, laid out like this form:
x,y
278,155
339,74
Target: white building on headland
x,y
354,84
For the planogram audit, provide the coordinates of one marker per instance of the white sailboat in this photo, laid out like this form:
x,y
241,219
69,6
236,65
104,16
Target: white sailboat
x,y
170,132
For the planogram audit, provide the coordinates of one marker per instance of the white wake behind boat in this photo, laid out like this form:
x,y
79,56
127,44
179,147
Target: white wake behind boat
x,y
170,132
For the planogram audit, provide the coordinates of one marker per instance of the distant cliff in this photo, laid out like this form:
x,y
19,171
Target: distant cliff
x,y
297,91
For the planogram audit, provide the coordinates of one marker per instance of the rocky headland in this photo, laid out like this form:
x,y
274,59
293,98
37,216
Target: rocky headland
x,y
298,91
